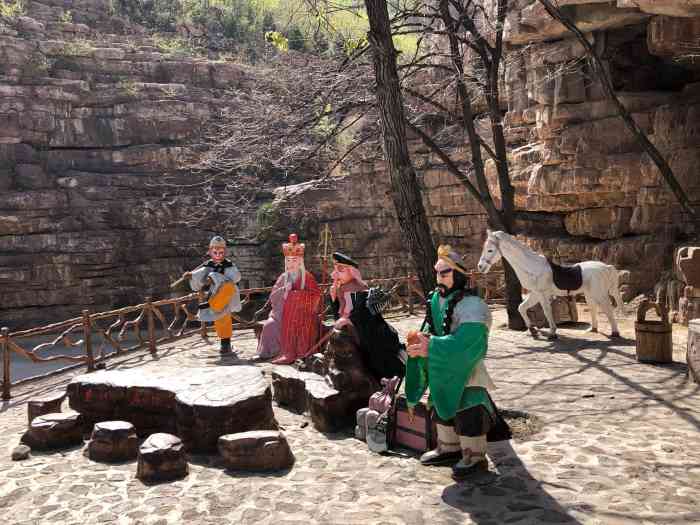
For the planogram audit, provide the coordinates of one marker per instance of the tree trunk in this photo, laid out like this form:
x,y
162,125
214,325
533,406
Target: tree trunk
x,y
405,191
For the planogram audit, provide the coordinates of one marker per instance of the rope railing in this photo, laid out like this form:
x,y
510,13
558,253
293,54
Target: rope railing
x,y
101,334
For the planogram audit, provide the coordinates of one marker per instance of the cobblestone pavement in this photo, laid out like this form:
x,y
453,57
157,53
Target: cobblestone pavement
x,y
619,445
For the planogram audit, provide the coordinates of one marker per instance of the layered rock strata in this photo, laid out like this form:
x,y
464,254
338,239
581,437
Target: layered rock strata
x,y
95,118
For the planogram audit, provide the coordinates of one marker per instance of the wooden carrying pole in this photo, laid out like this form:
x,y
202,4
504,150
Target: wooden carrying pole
x,y
151,325
87,341
6,363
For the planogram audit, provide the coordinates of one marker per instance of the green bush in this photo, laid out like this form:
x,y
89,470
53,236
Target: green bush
x,y
11,8
296,39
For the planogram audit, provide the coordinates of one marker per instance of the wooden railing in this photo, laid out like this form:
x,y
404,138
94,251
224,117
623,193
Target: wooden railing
x,y
105,333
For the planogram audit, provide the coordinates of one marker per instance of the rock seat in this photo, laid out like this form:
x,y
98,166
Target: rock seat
x,y
330,410
258,450
53,431
289,387
161,458
113,441
48,404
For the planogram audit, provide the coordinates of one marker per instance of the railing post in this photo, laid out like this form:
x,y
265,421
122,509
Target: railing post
x,y
151,326
87,341
203,327
6,364
410,293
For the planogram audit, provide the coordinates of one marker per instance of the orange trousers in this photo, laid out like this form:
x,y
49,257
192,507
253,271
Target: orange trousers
x,y
223,325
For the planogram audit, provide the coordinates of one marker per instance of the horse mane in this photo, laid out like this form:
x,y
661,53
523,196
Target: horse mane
x,y
526,250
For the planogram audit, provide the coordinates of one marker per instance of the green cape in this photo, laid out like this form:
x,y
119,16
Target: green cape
x,y
451,362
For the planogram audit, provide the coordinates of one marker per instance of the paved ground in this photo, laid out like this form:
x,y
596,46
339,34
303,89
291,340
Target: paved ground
x,y
619,445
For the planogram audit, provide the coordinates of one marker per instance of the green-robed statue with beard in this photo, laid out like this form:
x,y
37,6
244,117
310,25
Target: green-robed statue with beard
x,y
447,357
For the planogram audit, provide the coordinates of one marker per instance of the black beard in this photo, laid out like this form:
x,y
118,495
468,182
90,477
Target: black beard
x,y
443,290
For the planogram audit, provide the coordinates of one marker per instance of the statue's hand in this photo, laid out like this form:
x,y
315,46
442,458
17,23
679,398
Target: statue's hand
x,y
420,347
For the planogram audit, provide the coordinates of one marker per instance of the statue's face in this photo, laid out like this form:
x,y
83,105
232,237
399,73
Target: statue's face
x,y
217,253
445,277
292,263
342,273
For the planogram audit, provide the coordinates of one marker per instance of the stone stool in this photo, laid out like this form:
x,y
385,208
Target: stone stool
x,y
257,450
49,404
52,431
113,441
161,458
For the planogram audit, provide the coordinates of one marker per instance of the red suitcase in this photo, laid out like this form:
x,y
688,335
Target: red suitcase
x,y
420,434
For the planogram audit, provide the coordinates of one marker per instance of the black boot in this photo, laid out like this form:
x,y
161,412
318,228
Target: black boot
x,y
225,346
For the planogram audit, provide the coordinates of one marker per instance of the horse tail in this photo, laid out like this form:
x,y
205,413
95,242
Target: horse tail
x,y
615,288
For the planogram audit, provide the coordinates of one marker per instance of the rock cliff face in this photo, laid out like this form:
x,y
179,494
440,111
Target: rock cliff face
x,y
593,193
92,121
573,156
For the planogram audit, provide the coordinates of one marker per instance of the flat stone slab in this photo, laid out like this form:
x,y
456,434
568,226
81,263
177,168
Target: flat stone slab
x,y
48,404
197,404
161,458
53,431
113,441
260,450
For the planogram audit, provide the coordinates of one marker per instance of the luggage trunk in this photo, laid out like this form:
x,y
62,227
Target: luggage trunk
x,y
420,434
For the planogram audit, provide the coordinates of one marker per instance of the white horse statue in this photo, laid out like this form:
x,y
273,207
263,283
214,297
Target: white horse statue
x,y
545,280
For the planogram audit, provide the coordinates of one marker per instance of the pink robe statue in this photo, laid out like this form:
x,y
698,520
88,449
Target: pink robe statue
x,y
293,326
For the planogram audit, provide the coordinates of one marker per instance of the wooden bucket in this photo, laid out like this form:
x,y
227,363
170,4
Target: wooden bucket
x,y
654,339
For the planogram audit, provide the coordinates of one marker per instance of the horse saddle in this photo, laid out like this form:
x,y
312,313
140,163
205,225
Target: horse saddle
x,y
566,277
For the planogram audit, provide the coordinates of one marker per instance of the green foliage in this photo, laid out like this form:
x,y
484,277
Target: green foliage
x,y
278,40
267,218
296,39
130,87
172,45
37,65
326,123
77,48
66,17
249,24
11,8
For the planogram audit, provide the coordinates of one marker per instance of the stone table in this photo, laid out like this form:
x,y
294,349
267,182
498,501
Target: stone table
x,y
197,404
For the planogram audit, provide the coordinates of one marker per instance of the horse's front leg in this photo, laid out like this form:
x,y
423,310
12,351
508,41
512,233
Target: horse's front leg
x,y
528,303
546,303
